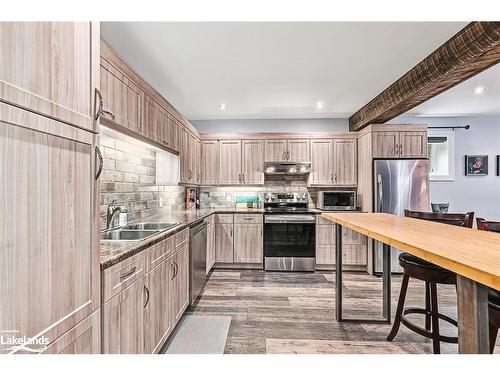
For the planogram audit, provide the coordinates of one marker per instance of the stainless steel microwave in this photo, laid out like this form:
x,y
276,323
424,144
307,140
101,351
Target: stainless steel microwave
x,y
337,200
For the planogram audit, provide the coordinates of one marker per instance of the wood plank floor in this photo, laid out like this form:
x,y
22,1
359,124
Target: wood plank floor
x,y
277,313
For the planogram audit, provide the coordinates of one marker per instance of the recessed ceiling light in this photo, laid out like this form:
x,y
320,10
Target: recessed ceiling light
x,y
320,105
479,90
222,106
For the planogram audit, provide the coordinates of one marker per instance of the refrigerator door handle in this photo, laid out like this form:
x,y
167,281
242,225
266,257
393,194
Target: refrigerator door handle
x,y
379,193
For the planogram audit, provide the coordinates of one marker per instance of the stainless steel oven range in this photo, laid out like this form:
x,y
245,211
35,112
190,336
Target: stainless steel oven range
x,y
289,233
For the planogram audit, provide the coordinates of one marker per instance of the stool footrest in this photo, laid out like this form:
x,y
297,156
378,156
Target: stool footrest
x,y
422,331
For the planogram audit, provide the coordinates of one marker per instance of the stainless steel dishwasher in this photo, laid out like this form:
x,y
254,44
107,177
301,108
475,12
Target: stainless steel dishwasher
x,y
197,259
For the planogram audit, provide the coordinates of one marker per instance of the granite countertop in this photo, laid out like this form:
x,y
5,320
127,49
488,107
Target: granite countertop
x,y
113,252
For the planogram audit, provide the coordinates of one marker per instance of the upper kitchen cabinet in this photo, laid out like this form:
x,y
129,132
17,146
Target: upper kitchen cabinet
x,y
209,162
345,162
252,162
155,119
295,150
321,162
333,162
50,243
190,154
121,100
230,162
399,144
51,68
184,155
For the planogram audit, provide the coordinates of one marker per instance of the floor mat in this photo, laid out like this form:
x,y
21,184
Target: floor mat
x,y
199,334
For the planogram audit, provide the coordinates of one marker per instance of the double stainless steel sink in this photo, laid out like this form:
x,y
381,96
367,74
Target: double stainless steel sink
x,y
135,232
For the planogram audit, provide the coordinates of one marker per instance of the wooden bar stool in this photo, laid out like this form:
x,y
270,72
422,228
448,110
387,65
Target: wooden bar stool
x,y
493,295
432,275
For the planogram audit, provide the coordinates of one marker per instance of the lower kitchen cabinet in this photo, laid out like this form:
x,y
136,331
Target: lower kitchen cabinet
x,y
123,321
224,243
84,338
179,284
210,242
248,243
157,317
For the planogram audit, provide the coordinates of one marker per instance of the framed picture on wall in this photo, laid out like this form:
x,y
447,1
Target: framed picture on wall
x,y
476,165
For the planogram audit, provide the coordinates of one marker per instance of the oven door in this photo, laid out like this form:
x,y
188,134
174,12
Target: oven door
x,y
290,243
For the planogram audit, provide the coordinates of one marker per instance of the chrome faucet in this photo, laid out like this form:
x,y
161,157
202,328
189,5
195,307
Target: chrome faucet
x,y
111,213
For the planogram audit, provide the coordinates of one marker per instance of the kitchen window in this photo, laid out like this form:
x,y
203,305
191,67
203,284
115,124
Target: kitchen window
x,y
440,149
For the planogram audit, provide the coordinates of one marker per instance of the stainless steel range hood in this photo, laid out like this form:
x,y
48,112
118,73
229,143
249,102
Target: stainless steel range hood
x,y
287,168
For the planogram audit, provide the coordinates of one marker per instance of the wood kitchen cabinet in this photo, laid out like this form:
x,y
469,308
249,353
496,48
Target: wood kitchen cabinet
x,y
230,162
224,243
51,68
184,155
210,242
252,159
345,162
122,100
124,321
209,162
179,284
296,150
49,242
248,243
157,321
155,118
321,162
399,144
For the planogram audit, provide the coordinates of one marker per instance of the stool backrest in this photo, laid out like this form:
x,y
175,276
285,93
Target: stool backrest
x,y
462,220
493,226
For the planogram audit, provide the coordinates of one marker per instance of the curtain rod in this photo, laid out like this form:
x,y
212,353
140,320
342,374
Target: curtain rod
x,y
466,127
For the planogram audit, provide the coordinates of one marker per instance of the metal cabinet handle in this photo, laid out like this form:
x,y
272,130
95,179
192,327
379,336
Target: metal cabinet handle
x,y
231,234
97,106
243,178
129,273
100,110
101,163
283,155
173,271
400,149
176,268
248,218
147,295
287,154
335,177
111,114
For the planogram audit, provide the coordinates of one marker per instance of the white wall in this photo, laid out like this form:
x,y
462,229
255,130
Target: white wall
x,y
480,194
335,125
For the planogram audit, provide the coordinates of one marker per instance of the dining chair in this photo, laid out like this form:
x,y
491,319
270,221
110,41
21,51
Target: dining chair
x,y
432,275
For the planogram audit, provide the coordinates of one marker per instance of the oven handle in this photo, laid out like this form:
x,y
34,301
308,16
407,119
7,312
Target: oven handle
x,y
274,221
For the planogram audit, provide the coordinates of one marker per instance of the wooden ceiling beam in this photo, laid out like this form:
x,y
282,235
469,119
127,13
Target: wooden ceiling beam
x,y
473,49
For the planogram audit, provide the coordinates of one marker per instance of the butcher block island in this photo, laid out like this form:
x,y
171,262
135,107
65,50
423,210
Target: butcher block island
x,y
473,255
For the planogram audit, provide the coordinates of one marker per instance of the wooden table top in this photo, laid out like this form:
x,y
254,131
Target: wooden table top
x,y
468,252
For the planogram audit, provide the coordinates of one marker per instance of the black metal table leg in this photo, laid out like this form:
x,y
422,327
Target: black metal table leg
x,y
386,282
338,272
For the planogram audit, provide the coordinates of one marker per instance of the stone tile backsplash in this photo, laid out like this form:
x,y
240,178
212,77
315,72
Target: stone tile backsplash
x,y
129,177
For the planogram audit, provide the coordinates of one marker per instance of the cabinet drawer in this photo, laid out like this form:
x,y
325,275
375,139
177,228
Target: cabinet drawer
x,y
123,274
325,235
159,252
181,239
248,218
224,218
351,255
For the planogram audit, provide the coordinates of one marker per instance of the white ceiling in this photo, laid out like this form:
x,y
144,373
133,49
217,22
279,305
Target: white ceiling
x,y
273,70
461,99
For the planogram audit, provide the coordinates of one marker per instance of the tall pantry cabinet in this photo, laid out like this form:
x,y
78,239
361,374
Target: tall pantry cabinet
x,y
49,167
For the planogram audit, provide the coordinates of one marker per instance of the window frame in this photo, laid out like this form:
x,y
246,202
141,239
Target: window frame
x,y
450,135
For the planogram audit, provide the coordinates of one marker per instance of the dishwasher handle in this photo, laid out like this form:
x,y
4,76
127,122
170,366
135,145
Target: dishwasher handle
x,y
195,229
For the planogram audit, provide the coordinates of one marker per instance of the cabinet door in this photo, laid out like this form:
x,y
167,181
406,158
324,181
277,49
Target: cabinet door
x,y
157,323
384,144
197,161
298,150
84,338
179,284
224,243
49,234
173,133
345,162
413,144
154,121
193,166
123,321
210,162
51,68
184,154
275,150
230,162
252,162
122,99
248,243
321,162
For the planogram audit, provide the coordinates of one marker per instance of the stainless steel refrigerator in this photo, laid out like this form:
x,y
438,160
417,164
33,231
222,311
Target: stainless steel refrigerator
x,y
399,185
